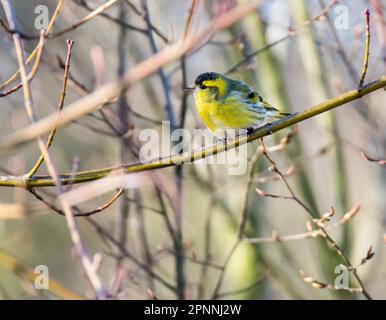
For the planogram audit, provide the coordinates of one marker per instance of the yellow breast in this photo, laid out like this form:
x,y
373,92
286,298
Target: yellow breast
x,y
230,113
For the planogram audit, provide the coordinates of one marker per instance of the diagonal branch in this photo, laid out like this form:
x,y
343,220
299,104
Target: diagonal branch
x,y
91,175
51,25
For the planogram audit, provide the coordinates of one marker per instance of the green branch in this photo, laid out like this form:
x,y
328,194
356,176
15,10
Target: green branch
x,y
91,175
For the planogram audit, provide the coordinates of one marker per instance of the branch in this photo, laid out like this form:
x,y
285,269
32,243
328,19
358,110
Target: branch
x,y
164,80
310,234
70,45
381,162
91,175
319,223
118,21
87,18
83,213
14,77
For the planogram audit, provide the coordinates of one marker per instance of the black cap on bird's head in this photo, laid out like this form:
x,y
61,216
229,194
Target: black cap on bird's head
x,y
206,76
203,77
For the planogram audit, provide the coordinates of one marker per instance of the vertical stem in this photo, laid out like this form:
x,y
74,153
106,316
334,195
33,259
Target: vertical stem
x,y
367,49
164,80
180,256
123,115
144,243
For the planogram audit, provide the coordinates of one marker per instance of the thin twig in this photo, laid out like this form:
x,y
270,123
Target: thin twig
x,y
291,33
118,21
184,84
127,254
70,45
316,222
164,80
142,15
11,32
382,162
83,213
51,25
312,234
143,238
367,49
102,231
339,46
86,19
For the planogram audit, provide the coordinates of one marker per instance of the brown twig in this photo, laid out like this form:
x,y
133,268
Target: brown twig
x,y
139,13
11,32
127,254
316,222
70,45
366,157
86,19
80,214
118,21
311,234
51,25
164,80
107,235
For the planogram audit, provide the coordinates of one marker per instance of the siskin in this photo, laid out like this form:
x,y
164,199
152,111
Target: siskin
x,y
226,103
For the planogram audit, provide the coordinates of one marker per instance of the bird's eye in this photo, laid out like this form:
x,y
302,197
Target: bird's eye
x,y
202,86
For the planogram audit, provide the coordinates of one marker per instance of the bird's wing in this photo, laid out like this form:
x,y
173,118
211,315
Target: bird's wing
x,y
250,97
243,91
257,101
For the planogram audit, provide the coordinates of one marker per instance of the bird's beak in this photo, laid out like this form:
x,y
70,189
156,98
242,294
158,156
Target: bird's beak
x,y
189,89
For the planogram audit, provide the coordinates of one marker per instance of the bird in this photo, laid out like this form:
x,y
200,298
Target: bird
x,y
225,103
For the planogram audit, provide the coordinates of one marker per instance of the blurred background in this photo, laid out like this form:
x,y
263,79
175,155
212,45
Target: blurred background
x,y
183,224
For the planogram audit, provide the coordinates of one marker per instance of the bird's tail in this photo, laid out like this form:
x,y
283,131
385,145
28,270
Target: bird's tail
x,y
273,113
282,115
276,114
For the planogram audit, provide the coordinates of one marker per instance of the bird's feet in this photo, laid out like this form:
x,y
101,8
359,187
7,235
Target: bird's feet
x,y
250,130
266,126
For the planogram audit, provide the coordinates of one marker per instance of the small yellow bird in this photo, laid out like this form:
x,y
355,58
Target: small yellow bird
x,y
226,103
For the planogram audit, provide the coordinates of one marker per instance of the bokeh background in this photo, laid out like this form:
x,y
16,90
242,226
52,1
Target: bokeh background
x,y
319,60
